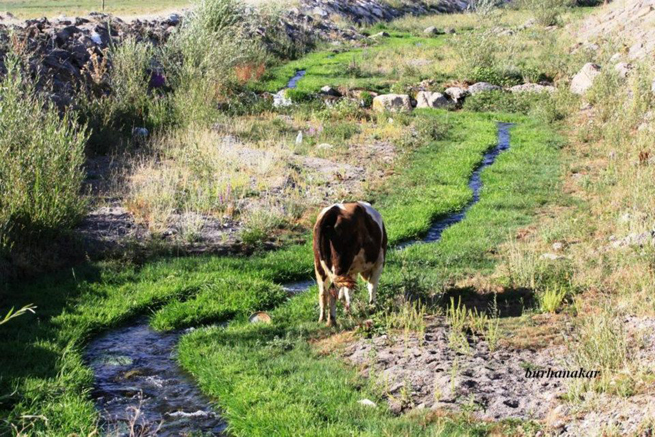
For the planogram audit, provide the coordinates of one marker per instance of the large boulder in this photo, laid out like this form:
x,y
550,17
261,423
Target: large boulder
x,y
482,87
532,88
585,78
427,99
456,93
392,102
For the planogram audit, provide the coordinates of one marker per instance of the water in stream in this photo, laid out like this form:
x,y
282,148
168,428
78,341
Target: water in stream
x,y
135,367
280,98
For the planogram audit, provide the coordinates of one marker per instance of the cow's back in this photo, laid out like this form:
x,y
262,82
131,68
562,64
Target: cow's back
x,y
345,234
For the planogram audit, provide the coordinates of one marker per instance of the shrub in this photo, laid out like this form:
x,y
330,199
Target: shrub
x,y
118,96
496,76
202,59
41,166
546,12
502,101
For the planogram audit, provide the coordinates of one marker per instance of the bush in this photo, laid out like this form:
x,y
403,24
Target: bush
x,y
546,12
41,166
203,59
118,96
496,76
502,101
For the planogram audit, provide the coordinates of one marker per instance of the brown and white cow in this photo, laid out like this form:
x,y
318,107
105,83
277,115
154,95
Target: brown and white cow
x,y
349,239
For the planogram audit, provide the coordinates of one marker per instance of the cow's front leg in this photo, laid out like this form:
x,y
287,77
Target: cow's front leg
x,y
372,283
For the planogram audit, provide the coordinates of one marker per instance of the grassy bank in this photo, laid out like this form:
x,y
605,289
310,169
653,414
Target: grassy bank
x,y
268,379
44,374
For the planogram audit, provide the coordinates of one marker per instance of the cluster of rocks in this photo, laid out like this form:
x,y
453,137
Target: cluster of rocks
x,y
451,97
59,50
372,11
633,20
585,78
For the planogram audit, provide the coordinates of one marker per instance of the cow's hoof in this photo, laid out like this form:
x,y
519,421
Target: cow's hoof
x,y
321,319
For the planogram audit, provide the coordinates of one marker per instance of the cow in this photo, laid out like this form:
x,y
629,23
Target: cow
x,y
349,239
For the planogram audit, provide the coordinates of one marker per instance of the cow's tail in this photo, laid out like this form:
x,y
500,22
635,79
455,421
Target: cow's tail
x,y
345,281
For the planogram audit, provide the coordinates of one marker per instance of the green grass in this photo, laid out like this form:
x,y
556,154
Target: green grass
x,y
54,8
376,67
253,371
267,379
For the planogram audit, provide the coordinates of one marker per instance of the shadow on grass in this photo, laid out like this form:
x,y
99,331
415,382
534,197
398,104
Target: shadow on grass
x,y
512,302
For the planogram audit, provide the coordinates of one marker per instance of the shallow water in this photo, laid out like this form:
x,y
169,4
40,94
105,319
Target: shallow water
x,y
135,366
279,98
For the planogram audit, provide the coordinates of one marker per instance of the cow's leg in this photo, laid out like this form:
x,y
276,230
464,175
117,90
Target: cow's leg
x,y
323,286
332,317
344,293
372,282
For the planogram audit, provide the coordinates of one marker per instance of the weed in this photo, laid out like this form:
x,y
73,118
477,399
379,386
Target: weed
x,y
551,299
457,316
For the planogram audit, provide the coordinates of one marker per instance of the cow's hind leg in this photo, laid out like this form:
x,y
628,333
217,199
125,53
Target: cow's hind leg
x,y
323,286
332,297
373,279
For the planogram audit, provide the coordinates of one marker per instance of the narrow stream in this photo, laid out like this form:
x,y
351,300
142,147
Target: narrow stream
x,y
280,98
475,184
139,383
135,367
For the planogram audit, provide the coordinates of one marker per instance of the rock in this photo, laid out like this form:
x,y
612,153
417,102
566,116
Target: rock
x,y
623,69
325,146
395,406
456,93
641,239
449,31
585,78
140,132
381,35
392,102
532,88
427,99
615,57
481,87
329,91
431,31
551,256
367,403
173,20
652,87
557,246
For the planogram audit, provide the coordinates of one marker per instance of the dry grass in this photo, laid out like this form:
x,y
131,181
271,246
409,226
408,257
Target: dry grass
x,y
609,174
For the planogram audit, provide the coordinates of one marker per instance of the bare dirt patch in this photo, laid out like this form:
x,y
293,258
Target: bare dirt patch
x,y
424,372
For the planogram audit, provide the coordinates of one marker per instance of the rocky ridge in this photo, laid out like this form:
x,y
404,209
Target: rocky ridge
x,y
61,49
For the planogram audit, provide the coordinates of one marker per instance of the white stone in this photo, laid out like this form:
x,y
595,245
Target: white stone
x,y
585,78
456,93
427,99
367,403
392,102
481,87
